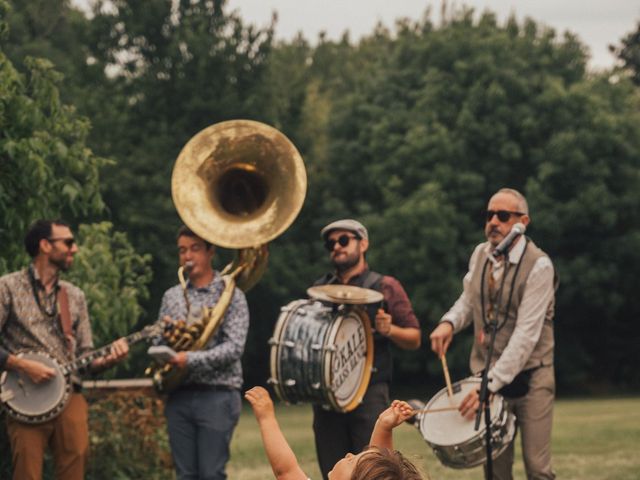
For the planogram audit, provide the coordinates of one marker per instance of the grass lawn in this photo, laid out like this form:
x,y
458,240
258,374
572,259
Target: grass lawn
x,y
592,440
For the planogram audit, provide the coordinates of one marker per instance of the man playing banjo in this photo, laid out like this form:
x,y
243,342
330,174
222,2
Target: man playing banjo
x,y
336,433
40,312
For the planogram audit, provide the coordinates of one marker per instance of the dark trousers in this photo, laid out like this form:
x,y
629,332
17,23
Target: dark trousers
x,y
200,426
337,434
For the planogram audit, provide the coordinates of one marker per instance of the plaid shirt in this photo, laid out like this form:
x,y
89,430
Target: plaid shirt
x,y
24,325
219,363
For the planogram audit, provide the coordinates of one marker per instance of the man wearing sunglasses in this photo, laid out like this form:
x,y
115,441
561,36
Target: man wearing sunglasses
x,y
522,284
33,304
337,434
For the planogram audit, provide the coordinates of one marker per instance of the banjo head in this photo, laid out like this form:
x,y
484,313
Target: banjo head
x,y
31,402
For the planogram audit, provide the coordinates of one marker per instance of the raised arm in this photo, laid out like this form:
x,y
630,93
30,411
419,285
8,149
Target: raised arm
x,y
282,459
393,416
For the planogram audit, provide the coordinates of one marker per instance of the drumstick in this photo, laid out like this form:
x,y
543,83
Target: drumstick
x,y
434,410
447,378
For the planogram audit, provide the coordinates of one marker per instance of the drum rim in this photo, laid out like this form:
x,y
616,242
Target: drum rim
x,y
481,429
365,377
274,355
53,410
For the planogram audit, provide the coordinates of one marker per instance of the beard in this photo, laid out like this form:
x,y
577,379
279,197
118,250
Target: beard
x,y
60,263
345,263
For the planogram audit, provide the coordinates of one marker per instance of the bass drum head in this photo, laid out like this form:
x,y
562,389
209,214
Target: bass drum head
x,y
36,400
349,358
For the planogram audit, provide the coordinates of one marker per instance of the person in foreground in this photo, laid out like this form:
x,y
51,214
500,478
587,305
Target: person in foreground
x,y
396,326
41,312
521,368
378,461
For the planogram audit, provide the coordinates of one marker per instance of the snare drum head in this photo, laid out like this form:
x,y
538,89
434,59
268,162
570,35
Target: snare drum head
x,y
449,427
348,364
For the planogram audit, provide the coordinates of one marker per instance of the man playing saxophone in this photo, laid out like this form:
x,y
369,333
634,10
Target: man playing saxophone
x,y
203,411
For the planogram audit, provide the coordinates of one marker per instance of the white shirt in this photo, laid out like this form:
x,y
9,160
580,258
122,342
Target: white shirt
x,y
538,293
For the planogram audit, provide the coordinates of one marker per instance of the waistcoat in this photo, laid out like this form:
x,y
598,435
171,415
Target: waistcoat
x,y
515,280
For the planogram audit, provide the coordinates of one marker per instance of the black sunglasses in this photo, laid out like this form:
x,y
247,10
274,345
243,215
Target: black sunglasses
x,y
343,240
503,215
69,242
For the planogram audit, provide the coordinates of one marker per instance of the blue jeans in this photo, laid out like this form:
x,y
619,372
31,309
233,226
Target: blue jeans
x,y
200,425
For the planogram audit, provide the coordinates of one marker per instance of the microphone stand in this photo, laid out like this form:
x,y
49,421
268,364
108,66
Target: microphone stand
x,y
484,384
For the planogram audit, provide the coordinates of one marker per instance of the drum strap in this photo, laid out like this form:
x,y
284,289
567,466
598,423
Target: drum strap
x,y
65,317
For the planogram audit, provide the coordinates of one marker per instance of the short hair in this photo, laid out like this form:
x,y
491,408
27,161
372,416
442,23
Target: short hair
x,y
185,231
522,201
384,464
40,229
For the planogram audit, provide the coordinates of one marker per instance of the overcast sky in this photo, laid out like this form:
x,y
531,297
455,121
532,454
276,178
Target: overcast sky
x,y
598,23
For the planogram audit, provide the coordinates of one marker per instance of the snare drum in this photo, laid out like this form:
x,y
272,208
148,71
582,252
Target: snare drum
x,y
321,354
453,438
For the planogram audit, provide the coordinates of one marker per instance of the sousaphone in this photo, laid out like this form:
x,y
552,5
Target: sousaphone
x,y
237,184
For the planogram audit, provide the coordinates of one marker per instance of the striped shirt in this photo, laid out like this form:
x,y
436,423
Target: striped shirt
x,y
219,363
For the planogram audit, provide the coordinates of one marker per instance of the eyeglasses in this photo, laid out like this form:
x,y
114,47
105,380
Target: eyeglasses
x,y
69,242
343,240
503,215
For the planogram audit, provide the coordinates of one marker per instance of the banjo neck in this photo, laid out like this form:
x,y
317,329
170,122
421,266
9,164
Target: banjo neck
x,y
85,360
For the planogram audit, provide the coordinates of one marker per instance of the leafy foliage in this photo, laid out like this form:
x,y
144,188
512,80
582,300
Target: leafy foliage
x,y
114,278
47,169
410,130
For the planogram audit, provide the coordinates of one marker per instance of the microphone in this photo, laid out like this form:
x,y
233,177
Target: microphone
x,y
517,230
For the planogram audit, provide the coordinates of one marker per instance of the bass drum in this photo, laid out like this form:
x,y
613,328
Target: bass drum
x,y
321,354
453,438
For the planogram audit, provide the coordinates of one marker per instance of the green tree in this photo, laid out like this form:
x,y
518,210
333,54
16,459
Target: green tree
x,y
46,168
170,70
629,53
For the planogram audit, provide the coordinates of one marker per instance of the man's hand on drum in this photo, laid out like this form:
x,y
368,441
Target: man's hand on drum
x,y
36,371
468,408
383,323
441,338
261,403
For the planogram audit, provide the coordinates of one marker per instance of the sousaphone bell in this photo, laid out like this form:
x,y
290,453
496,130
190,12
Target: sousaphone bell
x,y
237,184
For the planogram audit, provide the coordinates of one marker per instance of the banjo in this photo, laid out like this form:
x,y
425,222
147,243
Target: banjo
x,y
33,403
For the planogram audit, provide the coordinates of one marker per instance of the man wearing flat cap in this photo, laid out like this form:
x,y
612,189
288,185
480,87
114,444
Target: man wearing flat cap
x,y
337,434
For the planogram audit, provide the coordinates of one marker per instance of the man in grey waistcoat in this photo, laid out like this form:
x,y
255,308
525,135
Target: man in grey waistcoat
x,y
521,366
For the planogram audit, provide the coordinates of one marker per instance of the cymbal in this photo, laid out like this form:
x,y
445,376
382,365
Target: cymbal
x,y
344,294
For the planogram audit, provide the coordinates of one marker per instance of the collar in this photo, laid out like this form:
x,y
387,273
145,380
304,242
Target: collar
x,y
515,254
336,279
217,278
35,277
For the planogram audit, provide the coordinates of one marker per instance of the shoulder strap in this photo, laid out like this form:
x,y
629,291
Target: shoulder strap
x,y
65,317
372,280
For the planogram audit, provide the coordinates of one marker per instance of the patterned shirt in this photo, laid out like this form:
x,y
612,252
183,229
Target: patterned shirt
x,y
28,322
219,363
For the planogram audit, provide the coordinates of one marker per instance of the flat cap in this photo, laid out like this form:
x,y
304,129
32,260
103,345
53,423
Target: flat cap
x,y
347,224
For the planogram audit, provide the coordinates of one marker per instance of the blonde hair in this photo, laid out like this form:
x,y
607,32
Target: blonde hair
x,y
384,464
